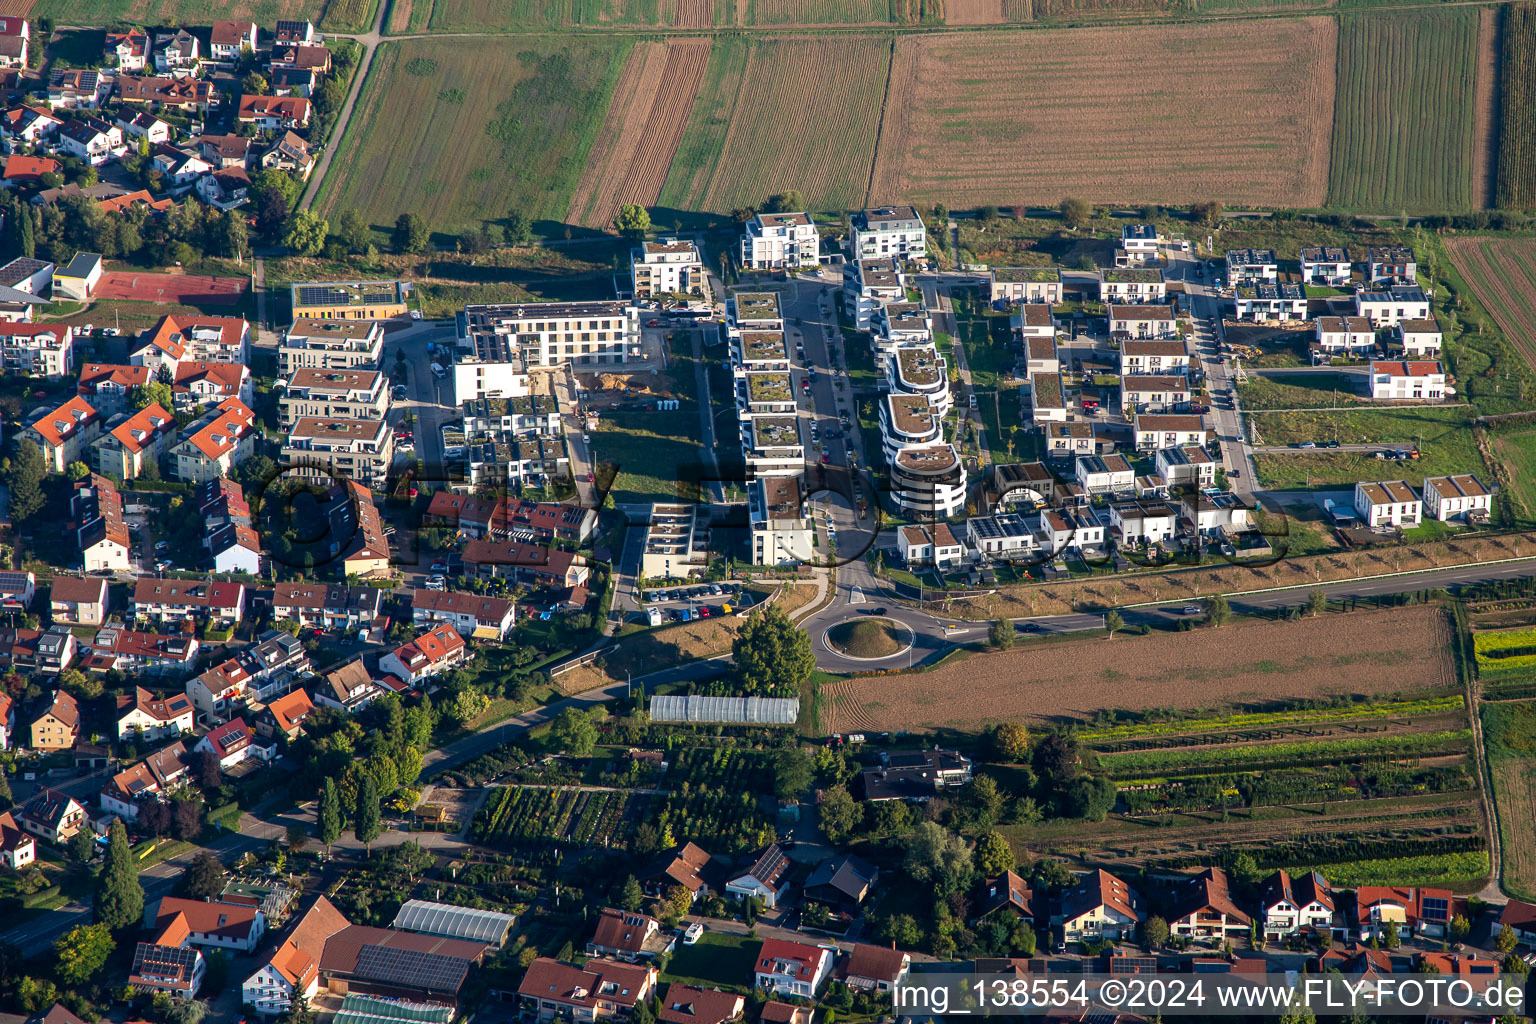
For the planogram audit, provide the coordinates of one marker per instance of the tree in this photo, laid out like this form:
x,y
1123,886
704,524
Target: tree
x,y
466,706
1207,213
902,930
517,228
1317,602
306,233
6,800
983,801
365,820
82,848
204,877
1000,634
633,221
993,855
1506,940
81,952
1055,759
788,201
1460,928
209,774
119,896
297,836
1113,622
772,654
838,813
23,474
792,774
631,896
298,1012
1010,742
152,393
254,84
1076,212
987,214
328,814
1218,611
350,230
1154,932
1090,797
410,234
938,856
574,732
77,471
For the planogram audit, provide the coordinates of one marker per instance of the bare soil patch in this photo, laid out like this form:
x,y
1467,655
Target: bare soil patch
x,y
642,128
1237,111
1398,650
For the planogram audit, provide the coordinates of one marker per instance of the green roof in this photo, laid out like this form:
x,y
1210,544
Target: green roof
x,y
1026,275
763,345
757,306
769,387
776,431
1047,390
1132,275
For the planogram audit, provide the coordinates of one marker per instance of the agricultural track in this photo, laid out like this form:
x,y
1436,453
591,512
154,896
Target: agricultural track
x,y
1485,135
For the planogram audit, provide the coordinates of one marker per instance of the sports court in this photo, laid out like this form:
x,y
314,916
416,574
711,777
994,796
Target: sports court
x,y
178,289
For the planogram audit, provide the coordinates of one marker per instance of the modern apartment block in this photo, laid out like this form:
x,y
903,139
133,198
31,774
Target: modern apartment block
x,y
670,268
327,394
331,345
323,449
780,241
545,334
888,231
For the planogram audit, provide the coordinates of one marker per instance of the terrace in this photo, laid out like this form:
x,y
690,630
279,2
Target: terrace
x,y
775,432
770,387
1047,394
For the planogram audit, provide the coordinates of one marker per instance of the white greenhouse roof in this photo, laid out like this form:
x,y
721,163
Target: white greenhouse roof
x,y
740,710
453,922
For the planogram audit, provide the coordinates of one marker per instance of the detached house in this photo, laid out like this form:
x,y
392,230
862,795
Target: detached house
x,y
52,815
1290,906
293,972
1100,906
127,51
91,139
349,688
1389,306
233,744
17,849
1419,337
1205,909
792,968
1326,265
157,775
15,36
1351,335
1420,911
214,925
767,877
432,653
274,113
875,968
286,715
177,51
1412,380
598,990
151,717
228,39
56,723
79,600
689,1004
627,935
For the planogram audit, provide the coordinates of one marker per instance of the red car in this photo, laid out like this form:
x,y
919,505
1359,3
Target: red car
x,y
826,458
703,612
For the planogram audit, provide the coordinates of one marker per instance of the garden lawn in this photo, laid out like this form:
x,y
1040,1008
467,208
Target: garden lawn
x,y
1443,436
1297,391
497,125
652,453
716,960
1518,452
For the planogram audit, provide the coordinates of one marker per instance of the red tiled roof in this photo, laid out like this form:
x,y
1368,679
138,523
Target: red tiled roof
x,y
293,108
144,427
290,710
222,919
221,432
66,420
28,168
94,375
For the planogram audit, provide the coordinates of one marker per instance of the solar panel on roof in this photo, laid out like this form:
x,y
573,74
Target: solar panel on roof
x,y
430,971
1436,909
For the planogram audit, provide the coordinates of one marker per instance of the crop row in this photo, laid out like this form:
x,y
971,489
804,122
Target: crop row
x,y
1164,762
1259,719
1517,129
519,815
1267,789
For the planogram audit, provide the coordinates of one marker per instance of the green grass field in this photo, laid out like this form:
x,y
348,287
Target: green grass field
x,y
1404,118
1443,435
496,124
1298,391
1517,451
178,12
1510,728
648,449
717,960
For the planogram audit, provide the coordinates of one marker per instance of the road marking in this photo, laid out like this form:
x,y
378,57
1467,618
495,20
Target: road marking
x,y
856,596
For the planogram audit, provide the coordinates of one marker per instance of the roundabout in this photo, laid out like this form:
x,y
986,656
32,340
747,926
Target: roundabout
x,y
868,638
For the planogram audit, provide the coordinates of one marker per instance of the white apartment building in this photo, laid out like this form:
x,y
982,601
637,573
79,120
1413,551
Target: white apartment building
x,y
1249,266
1407,380
1461,496
920,370
492,369
1387,503
1150,392
888,231
780,241
900,323
1040,285
929,481
1419,337
525,416
1325,265
782,531
908,421
1168,431
322,449
1154,356
331,345
870,284
326,394
668,268
676,542
43,350
1132,285
216,443
1270,301
547,334
771,445
1389,306
1148,322
1141,243
63,433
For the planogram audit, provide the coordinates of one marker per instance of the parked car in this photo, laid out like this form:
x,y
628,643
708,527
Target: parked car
x,y
1191,609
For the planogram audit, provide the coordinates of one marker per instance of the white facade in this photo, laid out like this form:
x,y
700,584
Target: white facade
x,y
779,241
668,267
1389,306
1349,334
888,231
1456,497
1387,503
1413,380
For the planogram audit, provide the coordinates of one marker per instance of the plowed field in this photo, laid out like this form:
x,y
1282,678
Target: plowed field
x,y
1401,649
1502,274
1238,111
640,134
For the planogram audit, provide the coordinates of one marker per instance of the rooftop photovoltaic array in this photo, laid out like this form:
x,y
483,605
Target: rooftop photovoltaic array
x,y
344,295
453,922
431,972
727,710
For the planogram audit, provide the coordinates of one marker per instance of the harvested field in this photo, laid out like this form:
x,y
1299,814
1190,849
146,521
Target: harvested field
x,y
642,129
1398,650
974,12
505,124
501,15
165,12
760,124
1423,66
818,12
188,289
1205,119
1502,275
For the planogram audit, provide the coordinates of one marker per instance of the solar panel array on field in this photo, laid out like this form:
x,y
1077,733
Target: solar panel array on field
x,y
453,922
726,710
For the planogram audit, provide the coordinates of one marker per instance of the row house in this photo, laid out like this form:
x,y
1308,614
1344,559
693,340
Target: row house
x,y
432,653
328,606
92,140
1349,335
1149,322
1461,496
78,600
1154,431
1407,380
1387,503
1386,307
512,517
1325,265
183,94
103,538
472,615
597,990
1158,357
41,350
133,443
127,650
148,716
167,601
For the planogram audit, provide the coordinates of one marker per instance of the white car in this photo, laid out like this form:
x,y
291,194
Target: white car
x,y
693,933
1192,609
